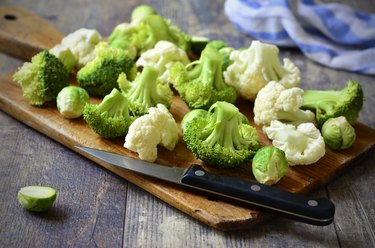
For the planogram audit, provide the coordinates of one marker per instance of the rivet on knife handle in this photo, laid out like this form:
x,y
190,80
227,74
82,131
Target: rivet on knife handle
x,y
319,211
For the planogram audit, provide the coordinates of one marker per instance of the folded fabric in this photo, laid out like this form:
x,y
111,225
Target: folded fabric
x,y
334,35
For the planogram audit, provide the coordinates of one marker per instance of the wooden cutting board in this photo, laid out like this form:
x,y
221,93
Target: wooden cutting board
x,y
220,215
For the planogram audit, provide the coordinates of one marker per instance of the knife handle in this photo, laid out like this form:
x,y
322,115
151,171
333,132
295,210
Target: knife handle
x,y
315,211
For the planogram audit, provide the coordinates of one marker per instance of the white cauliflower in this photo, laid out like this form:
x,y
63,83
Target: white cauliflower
x,y
255,67
158,127
82,43
275,102
65,55
162,57
302,144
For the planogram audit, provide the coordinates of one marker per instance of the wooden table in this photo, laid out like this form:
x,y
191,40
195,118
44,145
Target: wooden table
x,y
97,208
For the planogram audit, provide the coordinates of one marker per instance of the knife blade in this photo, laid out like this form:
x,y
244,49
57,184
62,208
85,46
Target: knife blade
x,y
314,211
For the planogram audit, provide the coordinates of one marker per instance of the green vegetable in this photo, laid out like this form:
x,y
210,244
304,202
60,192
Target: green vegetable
x,y
36,198
330,103
221,137
191,115
145,31
141,11
42,78
99,76
224,50
338,133
71,100
269,165
145,91
203,85
110,118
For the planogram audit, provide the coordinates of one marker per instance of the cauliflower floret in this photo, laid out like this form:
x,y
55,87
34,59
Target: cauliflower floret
x,y
302,144
256,66
158,127
65,55
162,57
275,102
82,43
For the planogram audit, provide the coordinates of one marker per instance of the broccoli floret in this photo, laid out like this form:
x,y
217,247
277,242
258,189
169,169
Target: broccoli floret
x,y
111,118
222,137
203,85
42,78
328,104
99,76
224,50
145,91
145,31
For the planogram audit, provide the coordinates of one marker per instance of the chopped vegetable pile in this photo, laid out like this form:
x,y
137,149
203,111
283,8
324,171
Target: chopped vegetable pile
x,y
147,60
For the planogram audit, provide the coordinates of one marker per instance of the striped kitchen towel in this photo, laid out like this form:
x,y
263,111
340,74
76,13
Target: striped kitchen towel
x,y
334,35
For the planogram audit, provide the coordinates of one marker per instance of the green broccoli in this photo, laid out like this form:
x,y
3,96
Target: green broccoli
x,y
99,76
224,50
110,118
141,11
145,30
328,104
222,137
42,78
145,91
203,85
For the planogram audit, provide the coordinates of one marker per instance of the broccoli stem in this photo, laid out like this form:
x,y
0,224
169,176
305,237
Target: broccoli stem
x,y
144,87
223,127
325,100
209,69
114,105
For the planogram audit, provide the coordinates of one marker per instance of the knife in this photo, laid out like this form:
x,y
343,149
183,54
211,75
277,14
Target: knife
x,y
315,211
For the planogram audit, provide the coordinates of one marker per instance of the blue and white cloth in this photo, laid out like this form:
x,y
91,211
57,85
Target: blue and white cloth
x,y
334,35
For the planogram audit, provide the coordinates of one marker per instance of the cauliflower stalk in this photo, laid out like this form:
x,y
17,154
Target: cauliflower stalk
x,y
162,57
158,127
302,144
82,43
275,102
255,67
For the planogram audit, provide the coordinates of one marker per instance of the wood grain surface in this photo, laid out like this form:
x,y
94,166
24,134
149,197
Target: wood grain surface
x,y
97,208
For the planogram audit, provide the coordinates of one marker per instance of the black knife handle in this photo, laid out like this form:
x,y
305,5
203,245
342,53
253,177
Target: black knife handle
x,y
315,211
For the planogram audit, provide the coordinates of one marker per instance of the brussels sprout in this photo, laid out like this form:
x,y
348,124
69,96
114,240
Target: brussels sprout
x,y
141,11
36,198
71,100
269,165
65,55
338,133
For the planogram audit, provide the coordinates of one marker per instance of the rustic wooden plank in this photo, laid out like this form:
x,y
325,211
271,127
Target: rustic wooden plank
x,y
89,208
353,195
159,226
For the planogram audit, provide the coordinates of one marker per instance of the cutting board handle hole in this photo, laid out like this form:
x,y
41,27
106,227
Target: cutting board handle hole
x,y
10,17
